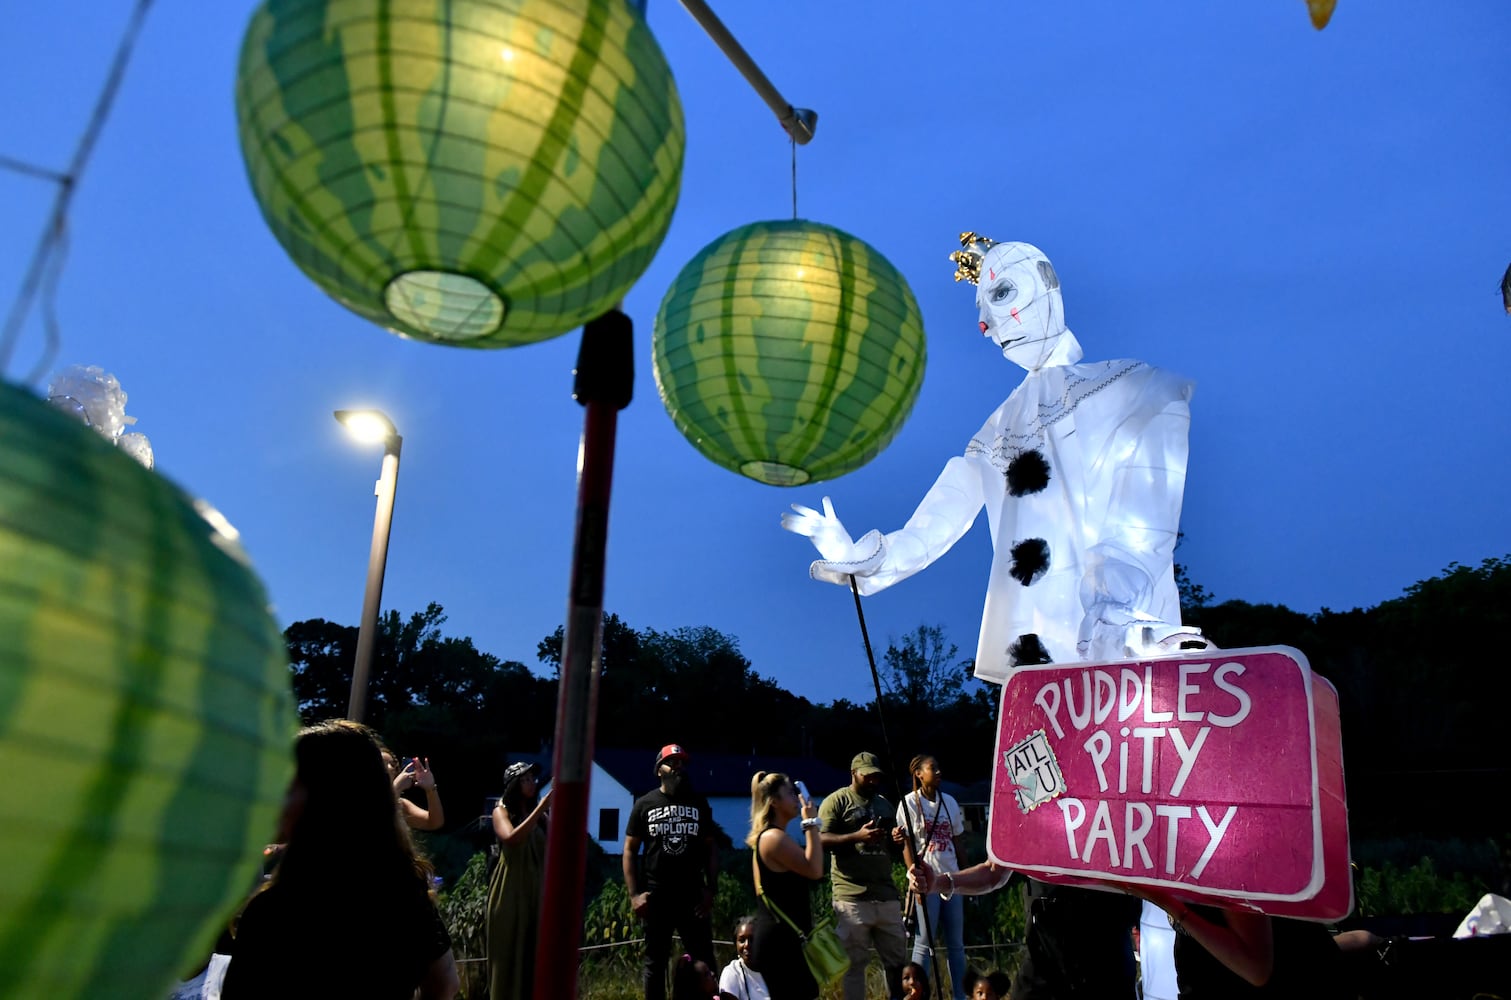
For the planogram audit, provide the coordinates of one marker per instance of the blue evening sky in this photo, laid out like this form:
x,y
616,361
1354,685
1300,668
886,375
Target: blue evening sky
x,y
1311,225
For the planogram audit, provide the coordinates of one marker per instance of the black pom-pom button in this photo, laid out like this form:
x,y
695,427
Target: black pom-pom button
x,y
1027,473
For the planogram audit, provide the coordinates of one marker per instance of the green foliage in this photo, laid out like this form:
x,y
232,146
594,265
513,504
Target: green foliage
x,y
925,670
1416,704
608,918
733,899
933,698
1390,890
464,911
464,908
1193,596
613,973
1009,916
651,677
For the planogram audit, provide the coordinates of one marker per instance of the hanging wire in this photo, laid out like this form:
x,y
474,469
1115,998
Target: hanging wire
x,y
31,170
52,333
46,266
794,179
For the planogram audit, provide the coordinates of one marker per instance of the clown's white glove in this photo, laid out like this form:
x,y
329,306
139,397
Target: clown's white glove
x,y
842,557
1105,631
1115,632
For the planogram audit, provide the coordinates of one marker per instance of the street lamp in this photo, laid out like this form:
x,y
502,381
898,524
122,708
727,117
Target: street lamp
x,y
372,427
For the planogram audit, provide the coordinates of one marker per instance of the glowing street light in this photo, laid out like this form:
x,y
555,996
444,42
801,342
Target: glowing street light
x,y
373,427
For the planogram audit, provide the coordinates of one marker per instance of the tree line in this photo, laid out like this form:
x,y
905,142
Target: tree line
x,y
1422,692
1421,688
439,696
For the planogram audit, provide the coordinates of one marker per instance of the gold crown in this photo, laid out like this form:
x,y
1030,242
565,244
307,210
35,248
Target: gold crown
x,y
967,260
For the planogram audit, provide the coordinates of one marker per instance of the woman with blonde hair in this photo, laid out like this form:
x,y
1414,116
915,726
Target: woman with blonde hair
x,y
783,873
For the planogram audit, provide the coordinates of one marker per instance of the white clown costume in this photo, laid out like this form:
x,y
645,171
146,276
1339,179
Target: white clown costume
x,y
1081,471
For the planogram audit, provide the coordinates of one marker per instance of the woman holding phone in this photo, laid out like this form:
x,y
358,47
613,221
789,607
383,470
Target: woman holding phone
x,y
410,773
784,872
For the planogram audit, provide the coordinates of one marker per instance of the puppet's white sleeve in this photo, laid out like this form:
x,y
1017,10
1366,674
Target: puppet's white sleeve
x,y
945,514
1128,574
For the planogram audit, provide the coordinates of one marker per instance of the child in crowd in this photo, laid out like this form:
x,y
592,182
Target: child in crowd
x,y
694,980
915,982
987,985
738,979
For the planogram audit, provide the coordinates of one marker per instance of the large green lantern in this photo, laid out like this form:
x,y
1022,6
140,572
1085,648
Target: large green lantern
x,y
789,352
477,172
146,721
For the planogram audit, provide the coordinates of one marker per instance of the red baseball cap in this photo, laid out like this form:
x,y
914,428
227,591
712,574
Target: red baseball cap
x,y
670,750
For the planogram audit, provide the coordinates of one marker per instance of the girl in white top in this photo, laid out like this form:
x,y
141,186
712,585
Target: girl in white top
x,y
937,827
738,979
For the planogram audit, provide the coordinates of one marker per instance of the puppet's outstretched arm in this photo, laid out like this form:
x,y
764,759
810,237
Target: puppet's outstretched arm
x,y
877,561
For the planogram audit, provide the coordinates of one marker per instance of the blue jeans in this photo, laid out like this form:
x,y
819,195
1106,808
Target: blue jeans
x,y
947,922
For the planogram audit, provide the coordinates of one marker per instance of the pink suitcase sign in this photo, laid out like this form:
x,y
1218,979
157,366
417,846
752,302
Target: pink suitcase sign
x,y
1217,776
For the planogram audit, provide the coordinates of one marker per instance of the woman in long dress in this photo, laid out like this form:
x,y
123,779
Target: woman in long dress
x,y
514,891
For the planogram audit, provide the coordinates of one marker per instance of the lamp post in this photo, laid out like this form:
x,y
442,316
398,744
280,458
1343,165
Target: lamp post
x,y
371,427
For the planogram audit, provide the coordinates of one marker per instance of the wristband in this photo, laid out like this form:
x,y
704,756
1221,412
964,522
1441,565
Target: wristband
x,y
810,823
947,895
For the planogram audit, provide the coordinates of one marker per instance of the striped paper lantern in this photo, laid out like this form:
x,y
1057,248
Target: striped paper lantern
x,y
484,173
146,719
789,352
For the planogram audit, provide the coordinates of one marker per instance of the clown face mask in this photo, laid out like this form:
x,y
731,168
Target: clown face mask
x,y
1018,296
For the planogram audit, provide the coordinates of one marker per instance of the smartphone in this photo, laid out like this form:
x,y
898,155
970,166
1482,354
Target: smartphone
x,y
802,791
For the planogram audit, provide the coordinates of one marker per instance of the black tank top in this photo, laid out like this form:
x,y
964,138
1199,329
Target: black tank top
x,y
788,890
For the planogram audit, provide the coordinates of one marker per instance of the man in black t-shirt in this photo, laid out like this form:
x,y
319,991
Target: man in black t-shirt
x,y
681,869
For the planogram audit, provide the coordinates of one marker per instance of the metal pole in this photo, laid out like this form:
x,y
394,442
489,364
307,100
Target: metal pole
x,y
799,122
604,383
377,561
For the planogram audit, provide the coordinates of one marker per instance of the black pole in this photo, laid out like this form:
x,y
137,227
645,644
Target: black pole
x,y
907,817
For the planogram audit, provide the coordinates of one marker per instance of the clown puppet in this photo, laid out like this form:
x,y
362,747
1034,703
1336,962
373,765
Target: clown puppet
x,y
1081,471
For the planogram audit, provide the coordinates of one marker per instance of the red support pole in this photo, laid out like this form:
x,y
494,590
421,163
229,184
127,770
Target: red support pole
x,y
603,384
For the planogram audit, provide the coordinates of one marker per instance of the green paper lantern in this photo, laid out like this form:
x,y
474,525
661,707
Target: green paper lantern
x,y
146,721
789,352
483,173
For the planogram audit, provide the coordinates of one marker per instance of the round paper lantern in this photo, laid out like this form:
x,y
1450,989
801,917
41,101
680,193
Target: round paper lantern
x,y
789,352
146,721
476,172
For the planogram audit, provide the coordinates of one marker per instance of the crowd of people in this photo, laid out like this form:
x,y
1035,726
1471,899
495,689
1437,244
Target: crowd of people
x,y
855,833
347,907
1079,942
